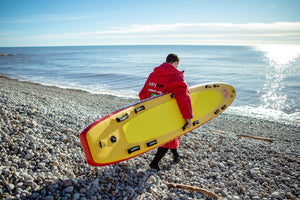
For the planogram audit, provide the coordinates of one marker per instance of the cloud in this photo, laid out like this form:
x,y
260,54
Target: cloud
x,y
185,33
284,28
280,31
202,29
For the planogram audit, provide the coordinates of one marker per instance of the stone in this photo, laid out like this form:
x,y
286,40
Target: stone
x,y
41,165
10,187
6,172
82,190
68,189
55,163
76,196
28,182
29,155
49,198
236,198
256,198
275,194
67,183
140,190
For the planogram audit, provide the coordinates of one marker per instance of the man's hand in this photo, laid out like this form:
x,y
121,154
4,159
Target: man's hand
x,y
189,122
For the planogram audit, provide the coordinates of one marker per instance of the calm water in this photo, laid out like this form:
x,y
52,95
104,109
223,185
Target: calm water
x,y
267,78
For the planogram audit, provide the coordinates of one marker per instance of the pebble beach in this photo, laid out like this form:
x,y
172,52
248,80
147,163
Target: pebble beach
x,y
41,155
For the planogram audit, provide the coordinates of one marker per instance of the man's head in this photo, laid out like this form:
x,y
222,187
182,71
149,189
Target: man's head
x,y
173,59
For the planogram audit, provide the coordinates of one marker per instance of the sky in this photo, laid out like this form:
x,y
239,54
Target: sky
x,y
152,22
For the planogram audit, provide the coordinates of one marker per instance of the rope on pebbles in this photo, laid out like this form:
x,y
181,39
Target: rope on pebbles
x,y
256,138
246,136
192,188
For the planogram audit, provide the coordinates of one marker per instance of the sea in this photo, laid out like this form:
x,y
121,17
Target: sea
x,y
266,77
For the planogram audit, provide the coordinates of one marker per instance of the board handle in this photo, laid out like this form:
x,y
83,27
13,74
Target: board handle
x,y
122,118
217,111
149,144
133,149
184,127
139,109
195,122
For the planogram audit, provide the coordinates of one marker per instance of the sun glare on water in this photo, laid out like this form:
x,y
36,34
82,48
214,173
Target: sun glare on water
x,y
280,54
281,65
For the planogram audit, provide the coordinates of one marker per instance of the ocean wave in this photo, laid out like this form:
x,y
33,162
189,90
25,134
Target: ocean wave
x,y
264,113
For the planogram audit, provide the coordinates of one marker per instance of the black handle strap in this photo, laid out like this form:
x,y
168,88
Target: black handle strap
x,y
195,122
120,119
133,149
185,126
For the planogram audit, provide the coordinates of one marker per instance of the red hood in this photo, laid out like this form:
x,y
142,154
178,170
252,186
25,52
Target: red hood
x,y
166,69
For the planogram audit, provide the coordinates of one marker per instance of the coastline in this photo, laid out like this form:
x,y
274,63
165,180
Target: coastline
x,y
41,155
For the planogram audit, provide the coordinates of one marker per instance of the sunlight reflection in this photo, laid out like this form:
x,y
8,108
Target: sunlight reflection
x,y
281,65
280,54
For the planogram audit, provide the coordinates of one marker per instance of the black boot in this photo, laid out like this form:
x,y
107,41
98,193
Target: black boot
x,y
176,156
159,155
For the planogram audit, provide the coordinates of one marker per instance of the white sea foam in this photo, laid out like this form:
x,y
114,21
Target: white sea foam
x,y
264,113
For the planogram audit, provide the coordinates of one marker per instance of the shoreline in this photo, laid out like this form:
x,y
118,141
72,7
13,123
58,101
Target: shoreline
x,y
41,155
264,114
72,89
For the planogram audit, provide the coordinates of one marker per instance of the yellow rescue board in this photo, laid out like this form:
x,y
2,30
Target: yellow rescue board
x,y
140,127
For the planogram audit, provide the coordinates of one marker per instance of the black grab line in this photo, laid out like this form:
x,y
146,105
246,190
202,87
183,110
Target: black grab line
x,y
123,118
139,109
133,149
149,144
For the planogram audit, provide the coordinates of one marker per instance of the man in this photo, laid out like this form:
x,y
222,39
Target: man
x,y
167,79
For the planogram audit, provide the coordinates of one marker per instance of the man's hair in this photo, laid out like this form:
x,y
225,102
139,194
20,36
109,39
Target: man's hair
x,y
171,58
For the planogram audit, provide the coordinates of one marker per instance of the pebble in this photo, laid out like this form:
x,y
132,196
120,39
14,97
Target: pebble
x,y
41,165
275,195
49,198
69,189
76,196
10,187
236,198
42,158
140,190
29,155
82,190
67,183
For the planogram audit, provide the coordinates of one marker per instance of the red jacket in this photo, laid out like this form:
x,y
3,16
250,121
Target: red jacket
x,y
167,79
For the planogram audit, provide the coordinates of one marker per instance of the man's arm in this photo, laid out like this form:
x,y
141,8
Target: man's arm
x,y
183,98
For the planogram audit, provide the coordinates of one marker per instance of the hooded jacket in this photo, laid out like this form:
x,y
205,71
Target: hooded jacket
x,y
167,79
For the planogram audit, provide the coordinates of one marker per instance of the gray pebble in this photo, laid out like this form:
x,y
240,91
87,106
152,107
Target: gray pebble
x,y
82,190
67,183
275,195
69,189
140,190
49,198
41,165
76,196
29,155
10,187
28,182
256,198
